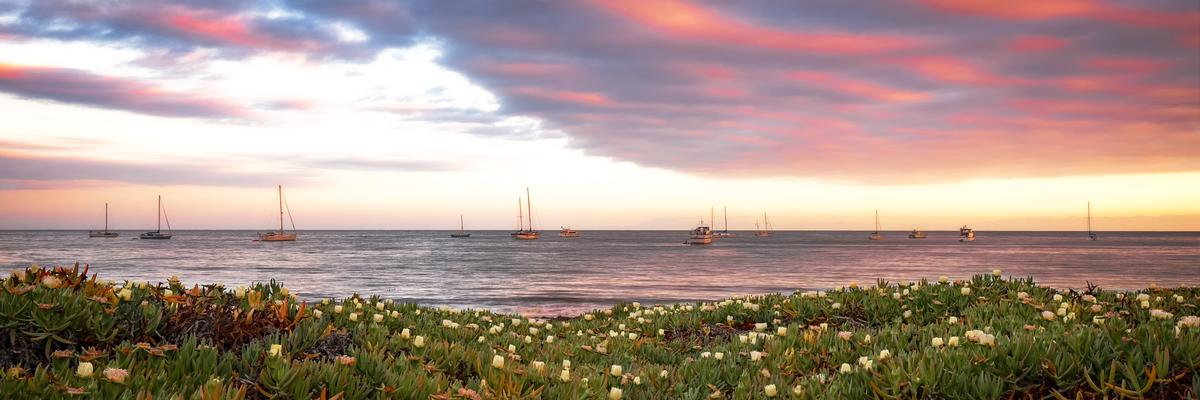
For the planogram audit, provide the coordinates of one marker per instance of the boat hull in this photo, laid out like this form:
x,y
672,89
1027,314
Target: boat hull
x,y
916,236
875,236
460,235
277,237
724,235
103,234
154,236
762,234
526,236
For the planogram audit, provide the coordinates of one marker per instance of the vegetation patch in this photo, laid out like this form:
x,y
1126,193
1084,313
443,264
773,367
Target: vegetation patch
x,y
65,333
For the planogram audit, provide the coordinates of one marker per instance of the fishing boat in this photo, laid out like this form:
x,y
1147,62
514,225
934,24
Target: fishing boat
x,y
523,233
725,233
766,227
567,232
876,235
461,232
966,234
916,234
158,233
1091,235
280,235
701,235
104,233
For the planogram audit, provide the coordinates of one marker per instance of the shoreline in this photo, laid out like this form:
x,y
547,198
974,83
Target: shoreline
x,y
951,339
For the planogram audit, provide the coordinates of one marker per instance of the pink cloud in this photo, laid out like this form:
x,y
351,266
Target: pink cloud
x,y
857,88
686,21
1036,44
1089,9
80,87
586,98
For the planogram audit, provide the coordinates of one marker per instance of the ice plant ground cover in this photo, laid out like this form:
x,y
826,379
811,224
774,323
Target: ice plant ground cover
x,y
65,333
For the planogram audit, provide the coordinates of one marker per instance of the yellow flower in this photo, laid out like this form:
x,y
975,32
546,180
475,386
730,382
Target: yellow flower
x,y
317,313
953,341
337,309
769,390
498,362
614,394
565,375
84,370
845,369
996,272
405,334
884,354
966,291
419,342
614,370
275,349
938,342
1048,315
125,294
781,331
377,318
539,366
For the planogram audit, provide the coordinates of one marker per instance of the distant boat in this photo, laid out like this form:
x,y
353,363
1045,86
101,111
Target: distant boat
x,y
966,234
701,235
104,233
461,232
725,233
523,233
916,234
1091,235
765,230
567,232
876,235
157,233
280,235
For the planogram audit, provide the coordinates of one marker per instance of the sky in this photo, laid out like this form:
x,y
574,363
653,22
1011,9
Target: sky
x,y
1002,115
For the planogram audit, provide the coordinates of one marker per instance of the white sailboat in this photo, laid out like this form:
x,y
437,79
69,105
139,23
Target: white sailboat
x,y
1091,235
104,233
766,228
876,235
523,233
462,233
725,233
157,233
280,235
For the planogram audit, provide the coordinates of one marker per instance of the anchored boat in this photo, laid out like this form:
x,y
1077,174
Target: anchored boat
x,y
966,234
701,235
461,233
104,233
725,233
523,233
567,232
765,230
916,234
158,233
1091,235
280,235
876,235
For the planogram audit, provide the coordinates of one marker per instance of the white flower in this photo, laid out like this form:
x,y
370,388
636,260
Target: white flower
x,y
539,366
966,291
419,342
379,306
1143,297
614,394
275,349
565,375
953,320
907,313
987,339
637,380
405,333
354,316
705,354
337,309
1088,298
1190,321
377,318
317,313
498,361
896,296
719,355
760,326
549,338
662,374
1058,298
845,369
836,306
84,370
512,348
781,331
615,370
996,272
953,341
769,390
867,339
1145,304
938,342
1048,315
884,354
1160,314
566,364
755,355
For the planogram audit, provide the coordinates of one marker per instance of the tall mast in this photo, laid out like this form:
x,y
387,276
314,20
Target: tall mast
x,y
766,224
460,224
726,218
520,216
877,220
710,216
280,209
106,216
1089,224
529,205
159,214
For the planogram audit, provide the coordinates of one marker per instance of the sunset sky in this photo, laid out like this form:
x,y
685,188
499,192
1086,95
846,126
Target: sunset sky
x,y
1004,115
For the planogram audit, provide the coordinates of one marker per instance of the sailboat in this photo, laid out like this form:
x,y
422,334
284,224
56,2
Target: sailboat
x,y
917,234
725,232
766,228
280,235
701,235
104,233
157,233
876,235
567,232
1091,235
526,234
461,232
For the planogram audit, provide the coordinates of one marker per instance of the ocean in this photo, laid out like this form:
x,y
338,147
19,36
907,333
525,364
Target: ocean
x,y
561,276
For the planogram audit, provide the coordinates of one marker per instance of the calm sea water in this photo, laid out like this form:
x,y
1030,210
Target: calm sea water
x,y
557,275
